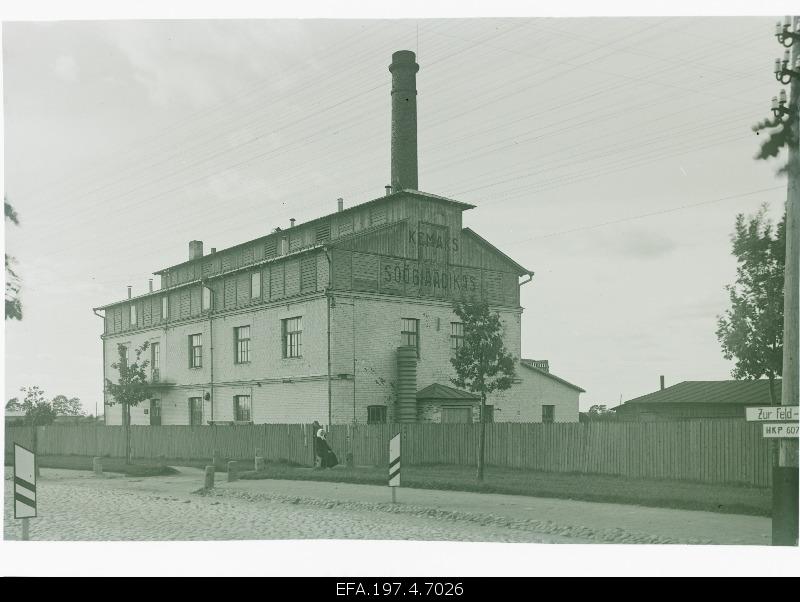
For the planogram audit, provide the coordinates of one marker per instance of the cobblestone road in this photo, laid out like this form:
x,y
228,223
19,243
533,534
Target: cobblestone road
x,y
75,506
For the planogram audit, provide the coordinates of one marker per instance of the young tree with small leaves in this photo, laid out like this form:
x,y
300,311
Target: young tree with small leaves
x,y
482,363
751,331
38,411
131,389
13,286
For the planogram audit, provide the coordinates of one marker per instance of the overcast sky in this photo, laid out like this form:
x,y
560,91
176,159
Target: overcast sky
x,y
610,156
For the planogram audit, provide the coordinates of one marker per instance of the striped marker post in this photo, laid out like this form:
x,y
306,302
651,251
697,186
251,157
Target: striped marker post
x,y
394,466
24,486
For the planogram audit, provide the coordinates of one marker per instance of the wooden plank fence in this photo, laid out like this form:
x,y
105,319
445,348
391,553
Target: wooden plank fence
x,y
711,451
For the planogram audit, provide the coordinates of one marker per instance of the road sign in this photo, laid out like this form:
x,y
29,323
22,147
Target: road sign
x,y
786,430
24,482
772,414
394,461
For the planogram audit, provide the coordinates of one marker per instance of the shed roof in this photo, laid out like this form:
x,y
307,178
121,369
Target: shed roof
x,y
738,392
529,364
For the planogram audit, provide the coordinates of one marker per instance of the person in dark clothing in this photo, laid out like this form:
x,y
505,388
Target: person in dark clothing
x,y
328,459
316,427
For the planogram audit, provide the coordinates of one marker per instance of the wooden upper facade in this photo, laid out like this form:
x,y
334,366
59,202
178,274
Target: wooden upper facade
x,y
407,243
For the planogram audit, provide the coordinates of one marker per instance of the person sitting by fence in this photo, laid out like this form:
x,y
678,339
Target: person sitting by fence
x,y
315,428
327,458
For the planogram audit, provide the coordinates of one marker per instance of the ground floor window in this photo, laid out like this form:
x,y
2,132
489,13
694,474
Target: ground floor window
x,y
155,412
241,408
195,411
548,414
376,414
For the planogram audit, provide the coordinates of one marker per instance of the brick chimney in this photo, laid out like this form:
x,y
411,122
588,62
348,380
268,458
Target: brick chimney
x,y
195,249
404,120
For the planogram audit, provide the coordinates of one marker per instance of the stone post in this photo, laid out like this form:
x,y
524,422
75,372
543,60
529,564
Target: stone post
x,y
232,471
97,466
209,478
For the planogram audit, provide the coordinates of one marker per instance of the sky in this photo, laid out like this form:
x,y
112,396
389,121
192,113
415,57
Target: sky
x,y
608,155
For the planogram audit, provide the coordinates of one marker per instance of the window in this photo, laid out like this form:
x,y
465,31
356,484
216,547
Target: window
x,y
409,333
255,285
456,335
126,354
195,350
133,315
206,299
195,411
164,307
548,414
241,336
284,245
241,408
376,414
155,412
293,337
155,360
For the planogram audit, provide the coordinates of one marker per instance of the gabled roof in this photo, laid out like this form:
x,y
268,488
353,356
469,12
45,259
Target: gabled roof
x,y
283,232
521,270
439,392
739,392
530,366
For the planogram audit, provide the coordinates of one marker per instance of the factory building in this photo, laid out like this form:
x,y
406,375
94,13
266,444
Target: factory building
x,y
346,318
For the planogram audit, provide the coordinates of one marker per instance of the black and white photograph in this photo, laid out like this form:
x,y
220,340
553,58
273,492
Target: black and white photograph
x,y
434,279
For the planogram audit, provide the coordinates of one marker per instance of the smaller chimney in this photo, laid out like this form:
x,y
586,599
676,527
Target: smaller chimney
x,y
291,223
213,250
388,190
339,204
195,249
662,382
130,292
150,284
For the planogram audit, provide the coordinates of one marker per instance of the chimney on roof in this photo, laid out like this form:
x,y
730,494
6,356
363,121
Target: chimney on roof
x,y
195,249
662,382
213,250
130,292
339,204
150,284
291,223
404,120
388,190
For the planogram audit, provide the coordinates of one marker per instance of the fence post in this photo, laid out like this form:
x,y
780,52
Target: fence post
x,y
232,471
209,478
97,466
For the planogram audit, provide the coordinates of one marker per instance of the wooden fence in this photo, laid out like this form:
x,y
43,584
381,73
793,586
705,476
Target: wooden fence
x,y
711,451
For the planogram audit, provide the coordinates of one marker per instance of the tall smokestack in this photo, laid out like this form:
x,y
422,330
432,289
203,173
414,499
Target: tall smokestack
x,y
662,382
404,120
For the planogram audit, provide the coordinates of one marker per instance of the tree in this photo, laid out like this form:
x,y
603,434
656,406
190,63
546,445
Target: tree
x,y
482,363
132,388
38,411
751,331
13,303
599,413
67,407
13,405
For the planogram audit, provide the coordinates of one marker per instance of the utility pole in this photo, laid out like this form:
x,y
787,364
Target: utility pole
x,y
785,474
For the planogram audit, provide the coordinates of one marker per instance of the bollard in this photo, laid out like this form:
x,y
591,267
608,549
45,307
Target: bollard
x,y
97,466
214,457
259,463
209,483
348,460
232,474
